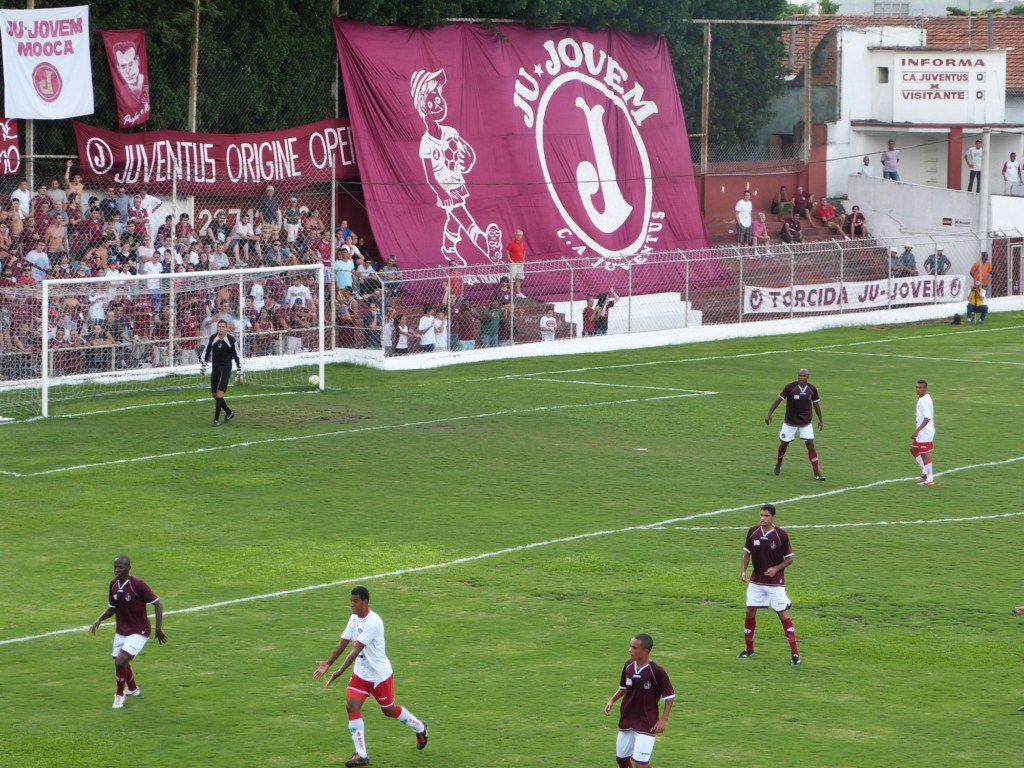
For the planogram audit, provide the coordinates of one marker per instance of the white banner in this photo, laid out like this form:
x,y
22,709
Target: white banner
x,y
47,67
833,297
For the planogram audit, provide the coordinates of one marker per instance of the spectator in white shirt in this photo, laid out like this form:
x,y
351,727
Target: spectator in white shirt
x,y
1011,176
243,237
426,330
297,292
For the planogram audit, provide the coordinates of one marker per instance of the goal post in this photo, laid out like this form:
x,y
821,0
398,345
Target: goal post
x,y
90,339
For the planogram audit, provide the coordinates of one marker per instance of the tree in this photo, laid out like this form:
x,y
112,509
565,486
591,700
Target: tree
x,y
264,64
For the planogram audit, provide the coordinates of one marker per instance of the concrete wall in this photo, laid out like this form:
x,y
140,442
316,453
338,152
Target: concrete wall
x,y
376,359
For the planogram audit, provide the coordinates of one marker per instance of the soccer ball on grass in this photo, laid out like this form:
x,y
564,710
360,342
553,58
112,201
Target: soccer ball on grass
x,y
314,380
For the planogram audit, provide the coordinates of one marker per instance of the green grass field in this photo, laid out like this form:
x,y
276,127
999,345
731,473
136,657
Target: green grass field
x,y
516,523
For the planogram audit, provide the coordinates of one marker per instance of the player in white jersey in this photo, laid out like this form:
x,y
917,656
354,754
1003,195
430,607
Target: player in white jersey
x,y
371,676
922,442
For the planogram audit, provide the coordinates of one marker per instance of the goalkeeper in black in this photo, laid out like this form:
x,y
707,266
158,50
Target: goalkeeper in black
x,y
221,349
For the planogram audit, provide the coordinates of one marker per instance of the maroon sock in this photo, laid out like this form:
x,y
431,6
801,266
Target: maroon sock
x,y
129,678
782,452
787,624
624,762
813,456
748,633
120,683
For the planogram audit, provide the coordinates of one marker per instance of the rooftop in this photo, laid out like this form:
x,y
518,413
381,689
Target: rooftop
x,y
942,33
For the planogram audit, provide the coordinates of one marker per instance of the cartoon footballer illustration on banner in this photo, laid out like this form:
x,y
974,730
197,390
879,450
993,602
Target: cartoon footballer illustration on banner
x,y
447,158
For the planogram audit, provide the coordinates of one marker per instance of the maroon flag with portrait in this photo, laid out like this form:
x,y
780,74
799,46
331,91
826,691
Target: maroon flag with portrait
x,y
126,53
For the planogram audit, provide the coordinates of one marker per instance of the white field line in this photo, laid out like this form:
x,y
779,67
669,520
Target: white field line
x,y
811,526
739,356
535,545
923,357
694,392
164,404
337,432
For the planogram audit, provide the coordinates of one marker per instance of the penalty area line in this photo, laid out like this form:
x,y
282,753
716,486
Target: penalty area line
x,y
661,525
339,432
810,526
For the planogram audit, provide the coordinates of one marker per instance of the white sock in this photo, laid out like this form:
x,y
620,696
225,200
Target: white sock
x,y
409,719
355,727
920,463
928,470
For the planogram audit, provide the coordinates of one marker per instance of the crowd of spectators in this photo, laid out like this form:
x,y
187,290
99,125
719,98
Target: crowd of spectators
x,y
55,233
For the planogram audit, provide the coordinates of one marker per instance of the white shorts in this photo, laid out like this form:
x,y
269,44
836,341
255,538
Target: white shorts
x,y
765,596
639,746
516,270
130,644
788,432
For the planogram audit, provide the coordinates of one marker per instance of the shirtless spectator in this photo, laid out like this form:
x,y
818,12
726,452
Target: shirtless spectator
x,y
803,204
56,235
73,183
782,203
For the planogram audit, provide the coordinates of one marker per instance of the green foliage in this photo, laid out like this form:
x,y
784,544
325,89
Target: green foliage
x,y
828,8
265,65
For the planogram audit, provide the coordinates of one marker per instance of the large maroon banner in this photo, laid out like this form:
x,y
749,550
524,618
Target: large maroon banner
x,y
218,163
129,69
470,133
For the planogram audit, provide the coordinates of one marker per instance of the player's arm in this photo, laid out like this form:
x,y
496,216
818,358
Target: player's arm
x,y
323,666
662,724
817,410
357,648
924,423
771,410
743,567
158,610
775,570
103,617
615,697
234,354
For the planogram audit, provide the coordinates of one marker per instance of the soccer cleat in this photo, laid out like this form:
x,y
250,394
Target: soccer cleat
x,y
421,738
136,692
922,479
356,759
819,477
746,655
216,423
118,702
229,417
1020,709
796,659
930,482
778,469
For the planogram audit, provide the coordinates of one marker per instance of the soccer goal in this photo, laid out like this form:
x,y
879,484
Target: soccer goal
x,y
81,345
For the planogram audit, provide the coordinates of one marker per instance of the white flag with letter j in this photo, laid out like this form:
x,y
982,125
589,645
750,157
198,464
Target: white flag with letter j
x,y
47,67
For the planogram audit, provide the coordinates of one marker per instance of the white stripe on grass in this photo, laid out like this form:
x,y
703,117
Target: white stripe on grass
x,y
663,524
352,431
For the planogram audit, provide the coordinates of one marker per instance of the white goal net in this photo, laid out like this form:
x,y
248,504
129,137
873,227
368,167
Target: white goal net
x,y
80,345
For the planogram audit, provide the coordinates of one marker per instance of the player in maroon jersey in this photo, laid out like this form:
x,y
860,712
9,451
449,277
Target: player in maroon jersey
x,y
769,548
800,397
127,599
642,685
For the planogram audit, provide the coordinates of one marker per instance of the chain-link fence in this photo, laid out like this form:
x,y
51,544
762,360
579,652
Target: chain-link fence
x,y
462,308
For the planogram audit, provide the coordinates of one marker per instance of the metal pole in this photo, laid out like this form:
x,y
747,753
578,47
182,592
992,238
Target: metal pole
x,y
807,95
629,292
686,289
44,364
792,284
740,257
705,101
320,331
193,70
